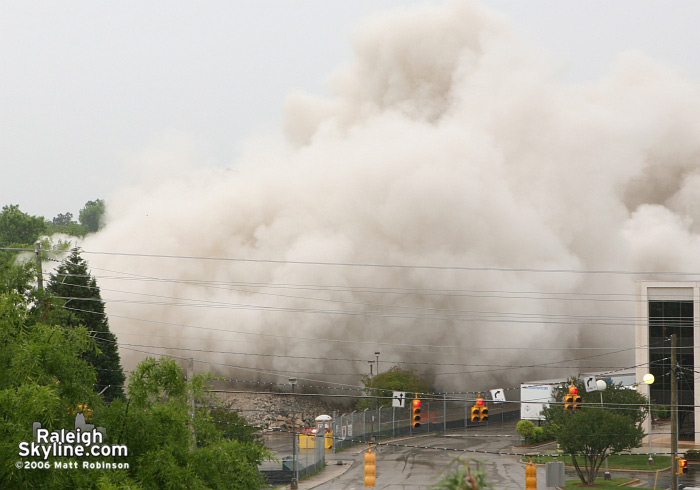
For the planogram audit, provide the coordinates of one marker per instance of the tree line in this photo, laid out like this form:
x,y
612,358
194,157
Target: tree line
x,y
61,368
19,228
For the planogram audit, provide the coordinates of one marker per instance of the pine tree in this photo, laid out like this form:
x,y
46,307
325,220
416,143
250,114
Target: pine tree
x,y
77,288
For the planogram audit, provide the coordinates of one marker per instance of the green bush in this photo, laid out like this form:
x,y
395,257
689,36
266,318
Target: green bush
x,y
532,434
527,430
662,412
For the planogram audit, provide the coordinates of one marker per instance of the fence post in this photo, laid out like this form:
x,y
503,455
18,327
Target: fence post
x,y
466,409
335,428
352,424
444,412
364,424
428,414
379,424
393,421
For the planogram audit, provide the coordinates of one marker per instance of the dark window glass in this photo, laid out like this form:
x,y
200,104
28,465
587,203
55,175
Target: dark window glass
x,y
665,319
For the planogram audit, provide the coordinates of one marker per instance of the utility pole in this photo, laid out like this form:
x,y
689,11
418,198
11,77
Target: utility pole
x,y
190,377
372,401
294,484
674,415
39,275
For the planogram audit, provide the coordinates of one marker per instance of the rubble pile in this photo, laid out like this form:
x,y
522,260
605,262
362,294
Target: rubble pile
x,y
275,412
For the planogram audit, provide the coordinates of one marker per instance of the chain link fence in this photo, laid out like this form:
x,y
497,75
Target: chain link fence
x,y
308,461
437,414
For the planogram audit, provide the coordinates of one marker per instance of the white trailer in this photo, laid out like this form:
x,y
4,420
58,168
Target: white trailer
x,y
534,398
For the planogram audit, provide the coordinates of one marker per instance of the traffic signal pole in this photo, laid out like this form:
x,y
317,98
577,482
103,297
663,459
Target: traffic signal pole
x,y
674,415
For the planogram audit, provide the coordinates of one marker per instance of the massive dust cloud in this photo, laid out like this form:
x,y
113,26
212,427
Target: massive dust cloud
x,y
448,143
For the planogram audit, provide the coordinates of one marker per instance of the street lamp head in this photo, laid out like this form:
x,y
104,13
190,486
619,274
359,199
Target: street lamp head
x,y
601,385
293,381
648,378
376,353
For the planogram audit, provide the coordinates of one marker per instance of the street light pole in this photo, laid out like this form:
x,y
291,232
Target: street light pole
x,y
295,481
602,385
370,393
375,398
649,380
674,415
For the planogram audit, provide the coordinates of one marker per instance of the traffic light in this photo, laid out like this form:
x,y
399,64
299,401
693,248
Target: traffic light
x,y
475,413
572,400
370,467
530,477
577,402
568,402
82,408
682,466
415,414
483,414
483,411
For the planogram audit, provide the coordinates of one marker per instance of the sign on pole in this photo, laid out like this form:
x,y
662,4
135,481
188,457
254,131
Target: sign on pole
x,y
398,399
498,395
591,385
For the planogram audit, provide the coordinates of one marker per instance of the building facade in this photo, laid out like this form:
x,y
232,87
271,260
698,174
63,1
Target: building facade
x,y
664,309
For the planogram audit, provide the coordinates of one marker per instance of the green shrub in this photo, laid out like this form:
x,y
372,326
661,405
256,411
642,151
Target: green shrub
x,y
527,430
532,434
662,412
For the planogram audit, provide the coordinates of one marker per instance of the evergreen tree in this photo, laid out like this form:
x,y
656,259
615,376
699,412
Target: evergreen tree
x,y
73,284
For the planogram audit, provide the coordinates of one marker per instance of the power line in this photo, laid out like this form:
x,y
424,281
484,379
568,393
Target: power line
x,y
337,359
591,321
360,303
478,293
391,266
321,339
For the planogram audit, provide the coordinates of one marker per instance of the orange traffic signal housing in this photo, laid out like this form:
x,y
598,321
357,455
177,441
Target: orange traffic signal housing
x,y
475,413
415,413
370,468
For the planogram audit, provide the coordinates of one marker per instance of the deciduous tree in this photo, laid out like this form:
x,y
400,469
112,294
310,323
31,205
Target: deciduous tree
x,y
156,426
596,430
18,228
43,380
92,214
382,386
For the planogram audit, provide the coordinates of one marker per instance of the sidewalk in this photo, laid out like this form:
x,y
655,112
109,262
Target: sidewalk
x,y
336,465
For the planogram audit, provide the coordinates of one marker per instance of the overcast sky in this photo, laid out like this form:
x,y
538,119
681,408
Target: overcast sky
x,y
88,87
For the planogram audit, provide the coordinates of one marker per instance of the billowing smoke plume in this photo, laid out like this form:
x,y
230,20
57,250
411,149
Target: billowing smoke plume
x,y
448,143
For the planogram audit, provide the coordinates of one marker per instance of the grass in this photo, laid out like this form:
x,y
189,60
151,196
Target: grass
x,y
600,483
615,461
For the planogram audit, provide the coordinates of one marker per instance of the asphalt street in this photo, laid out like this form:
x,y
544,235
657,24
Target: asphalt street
x,y
419,462
400,467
